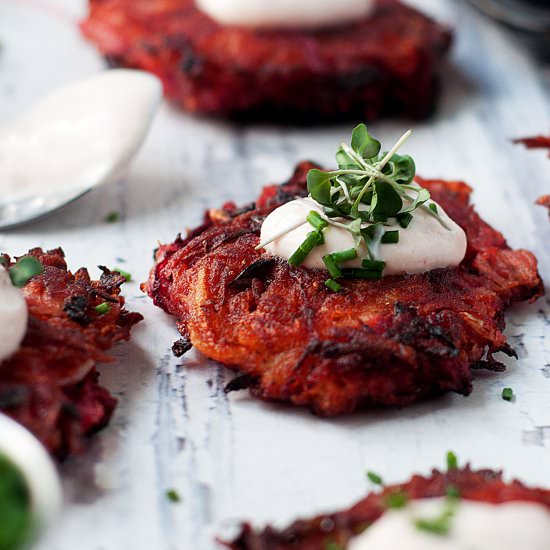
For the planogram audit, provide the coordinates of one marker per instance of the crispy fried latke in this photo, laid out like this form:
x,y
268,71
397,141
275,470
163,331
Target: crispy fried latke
x,y
387,63
390,342
339,528
50,385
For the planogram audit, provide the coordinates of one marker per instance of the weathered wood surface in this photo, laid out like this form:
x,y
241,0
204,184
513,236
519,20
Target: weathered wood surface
x,y
232,457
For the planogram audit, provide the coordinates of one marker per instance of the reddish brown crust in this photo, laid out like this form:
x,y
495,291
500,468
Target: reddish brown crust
x,y
538,142
389,342
314,534
387,63
50,384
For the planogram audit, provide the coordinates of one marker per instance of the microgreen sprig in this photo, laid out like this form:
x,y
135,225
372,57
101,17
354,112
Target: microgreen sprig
x,y
371,195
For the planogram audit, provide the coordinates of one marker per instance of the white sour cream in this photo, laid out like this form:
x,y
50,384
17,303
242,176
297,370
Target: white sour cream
x,y
424,245
78,137
474,526
286,13
13,316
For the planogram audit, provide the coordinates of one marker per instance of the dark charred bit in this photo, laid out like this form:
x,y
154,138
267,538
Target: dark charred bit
x,y
76,308
181,347
260,269
243,382
111,280
489,364
508,350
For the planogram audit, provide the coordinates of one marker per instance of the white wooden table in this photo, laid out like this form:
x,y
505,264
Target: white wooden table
x,y
232,457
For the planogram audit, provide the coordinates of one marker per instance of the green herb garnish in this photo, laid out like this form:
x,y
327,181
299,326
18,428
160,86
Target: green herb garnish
x,y
371,196
16,522
439,525
24,269
452,491
125,274
112,217
508,394
452,461
397,499
172,495
333,546
333,285
102,308
375,478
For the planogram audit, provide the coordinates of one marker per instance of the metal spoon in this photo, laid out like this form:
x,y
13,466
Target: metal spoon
x,y
81,136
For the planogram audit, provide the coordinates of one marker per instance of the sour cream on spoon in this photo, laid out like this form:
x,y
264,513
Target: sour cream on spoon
x,y
286,13
474,525
81,136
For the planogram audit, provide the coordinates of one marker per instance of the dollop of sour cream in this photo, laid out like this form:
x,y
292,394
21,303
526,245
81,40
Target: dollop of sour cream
x,y
424,245
474,525
286,13
80,136
13,316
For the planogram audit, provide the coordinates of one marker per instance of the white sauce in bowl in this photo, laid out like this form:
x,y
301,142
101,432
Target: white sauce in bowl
x,y
474,526
424,245
21,448
286,13
13,316
78,137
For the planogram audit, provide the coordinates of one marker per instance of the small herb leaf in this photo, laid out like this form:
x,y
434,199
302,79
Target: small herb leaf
x,y
24,269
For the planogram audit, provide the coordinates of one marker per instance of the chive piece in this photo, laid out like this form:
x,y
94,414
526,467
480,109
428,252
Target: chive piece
x,y
333,285
390,237
25,268
452,461
433,207
359,273
125,274
374,265
332,267
452,491
172,495
345,255
397,499
316,221
112,217
375,478
440,525
102,308
404,219
16,516
312,240
508,394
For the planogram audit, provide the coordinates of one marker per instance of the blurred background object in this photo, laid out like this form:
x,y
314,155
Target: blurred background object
x,y
530,18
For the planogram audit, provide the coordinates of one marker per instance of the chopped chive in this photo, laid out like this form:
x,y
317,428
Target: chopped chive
x,y
375,478
112,217
452,491
333,285
316,221
433,207
359,273
374,265
404,219
440,525
313,239
397,499
508,394
452,461
125,274
345,255
24,269
390,237
172,495
332,267
102,308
